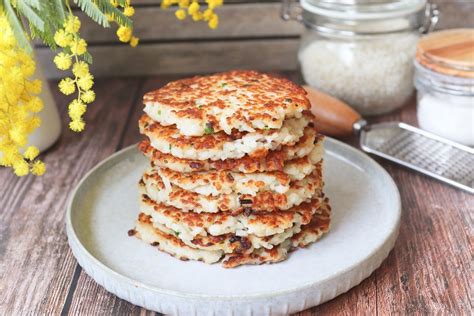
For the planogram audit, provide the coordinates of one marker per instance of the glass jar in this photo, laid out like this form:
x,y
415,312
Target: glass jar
x,y
362,51
444,80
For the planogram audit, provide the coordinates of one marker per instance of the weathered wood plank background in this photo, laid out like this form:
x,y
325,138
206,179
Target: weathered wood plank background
x,y
251,34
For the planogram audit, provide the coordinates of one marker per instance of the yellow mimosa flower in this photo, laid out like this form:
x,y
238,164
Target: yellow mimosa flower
x,y
67,86
72,24
193,8
134,41
88,96
80,69
35,105
78,46
85,82
38,168
129,11
183,4
62,61
62,39
197,16
33,123
21,167
77,125
76,109
180,14
165,4
207,14
213,22
34,86
124,34
17,135
31,153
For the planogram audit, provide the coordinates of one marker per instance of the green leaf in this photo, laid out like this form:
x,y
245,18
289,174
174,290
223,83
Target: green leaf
x,y
17,27
59,7
98,9
52,13
46,36
30,14
93,11
87,58
33,3
122,3
119,17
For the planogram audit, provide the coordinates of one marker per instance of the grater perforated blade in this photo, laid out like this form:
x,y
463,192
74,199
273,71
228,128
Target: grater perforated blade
x,y
422,151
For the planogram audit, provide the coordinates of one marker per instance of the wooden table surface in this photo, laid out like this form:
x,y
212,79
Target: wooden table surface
x,y
429,270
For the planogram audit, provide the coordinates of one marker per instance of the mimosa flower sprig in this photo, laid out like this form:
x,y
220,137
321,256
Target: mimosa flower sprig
x,y
195,10
74,56
19,105
56,25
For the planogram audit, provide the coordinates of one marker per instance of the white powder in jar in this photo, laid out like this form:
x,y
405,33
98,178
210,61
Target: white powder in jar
x,y
372,75
449,116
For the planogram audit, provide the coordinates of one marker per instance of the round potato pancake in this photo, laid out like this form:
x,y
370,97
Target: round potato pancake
x,y
230,101
261,224
226,182
244,253
310,142
230,243
221,146
167,193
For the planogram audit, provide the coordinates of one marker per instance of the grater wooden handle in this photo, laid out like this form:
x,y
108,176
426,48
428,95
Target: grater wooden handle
x,y
333,117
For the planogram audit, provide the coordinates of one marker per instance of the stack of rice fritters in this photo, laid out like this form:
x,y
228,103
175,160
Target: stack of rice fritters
x,y
236,170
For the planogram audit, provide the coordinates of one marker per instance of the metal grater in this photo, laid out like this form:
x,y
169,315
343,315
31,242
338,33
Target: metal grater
x,y
419,150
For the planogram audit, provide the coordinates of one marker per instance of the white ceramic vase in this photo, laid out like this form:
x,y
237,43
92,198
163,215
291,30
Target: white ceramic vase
x,y
47,134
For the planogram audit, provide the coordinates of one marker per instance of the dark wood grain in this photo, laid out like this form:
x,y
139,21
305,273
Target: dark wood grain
x,y
428,272
184,57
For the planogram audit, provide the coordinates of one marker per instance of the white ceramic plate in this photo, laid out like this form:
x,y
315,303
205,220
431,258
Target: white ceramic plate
x,y
364,226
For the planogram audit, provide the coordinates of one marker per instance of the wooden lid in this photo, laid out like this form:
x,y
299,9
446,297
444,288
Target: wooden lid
x,y
449,52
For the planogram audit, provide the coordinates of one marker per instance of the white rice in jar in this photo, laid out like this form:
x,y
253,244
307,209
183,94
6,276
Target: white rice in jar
x,y
372,75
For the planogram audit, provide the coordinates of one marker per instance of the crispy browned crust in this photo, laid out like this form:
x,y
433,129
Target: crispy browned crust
x,y
263,201
259,256
219,179
262,97
150,128
189,218
173,240
272,161
236,243
273,219
215,141
243,253
318,226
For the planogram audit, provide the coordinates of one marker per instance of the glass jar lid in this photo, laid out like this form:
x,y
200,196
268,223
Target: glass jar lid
x,y
364,17
363,9
426,78
449,52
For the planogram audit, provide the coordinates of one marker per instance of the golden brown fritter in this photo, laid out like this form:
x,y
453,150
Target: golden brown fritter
x,y
238,100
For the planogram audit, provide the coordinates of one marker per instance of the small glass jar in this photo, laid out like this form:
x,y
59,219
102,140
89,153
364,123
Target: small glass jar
x,y
444,80
361,51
